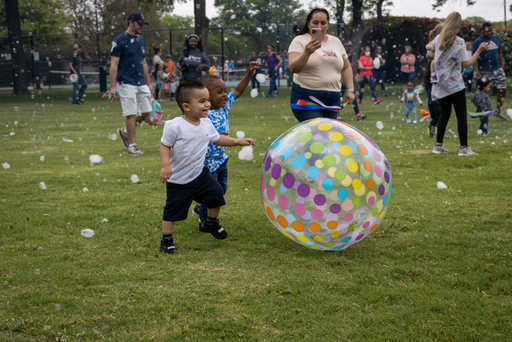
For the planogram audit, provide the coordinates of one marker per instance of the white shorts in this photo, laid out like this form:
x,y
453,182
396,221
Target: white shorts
x,y
135,100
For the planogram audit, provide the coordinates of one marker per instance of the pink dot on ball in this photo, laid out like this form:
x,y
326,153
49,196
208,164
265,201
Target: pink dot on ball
x,y
262,184
299,209
270,193
376,155
366,224
331,217
317,214
348,217
283,202
371,200
378,171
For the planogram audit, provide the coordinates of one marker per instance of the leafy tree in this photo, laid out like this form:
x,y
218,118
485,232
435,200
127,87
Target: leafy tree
x,y
174,21
440,3
476,19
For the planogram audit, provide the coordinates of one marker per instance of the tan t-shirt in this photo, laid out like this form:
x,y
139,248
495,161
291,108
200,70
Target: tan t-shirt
x,y
323,69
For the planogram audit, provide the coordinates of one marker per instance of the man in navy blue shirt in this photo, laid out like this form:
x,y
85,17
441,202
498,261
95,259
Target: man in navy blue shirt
x,y
129,74
79,86
490,64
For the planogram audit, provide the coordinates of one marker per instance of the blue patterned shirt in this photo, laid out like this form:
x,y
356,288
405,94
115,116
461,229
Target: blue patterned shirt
x,y
216,155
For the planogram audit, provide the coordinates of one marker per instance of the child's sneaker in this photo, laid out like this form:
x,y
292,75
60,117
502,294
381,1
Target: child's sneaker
x,y
167,246
360,117
408,120
466,152
414,121
215,229
438,149
433,78
124,137
202,228
376,101
195,210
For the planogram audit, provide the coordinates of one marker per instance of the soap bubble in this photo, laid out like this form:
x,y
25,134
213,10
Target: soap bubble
x,y
379,125
94,158
240,135
87,233
246,153
85,190
509,112
57,307
42,186
41,158
261,78
135,179
441,185
104,220
233,16
37,271
6,166
254,92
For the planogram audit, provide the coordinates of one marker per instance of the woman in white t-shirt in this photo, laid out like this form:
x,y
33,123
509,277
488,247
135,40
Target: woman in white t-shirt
x,y
157,61
450,55
318,68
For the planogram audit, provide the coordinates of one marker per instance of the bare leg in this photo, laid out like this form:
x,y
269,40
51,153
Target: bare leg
x,y
131,125
500,98
214,212
167,227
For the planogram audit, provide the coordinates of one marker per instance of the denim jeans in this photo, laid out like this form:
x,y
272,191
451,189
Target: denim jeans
x,y
329,98
410,110
273,84
79,88
221,176
371,83
380,78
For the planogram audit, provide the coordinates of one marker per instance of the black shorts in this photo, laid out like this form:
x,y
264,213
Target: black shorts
x,y
204,189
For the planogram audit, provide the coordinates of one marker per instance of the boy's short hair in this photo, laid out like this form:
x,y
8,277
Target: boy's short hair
x,y
185,91
208,79
481,83
410,82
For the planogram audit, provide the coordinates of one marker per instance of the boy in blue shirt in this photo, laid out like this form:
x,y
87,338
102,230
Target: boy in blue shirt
x,y
129,74
482,103
182,151
216,160
411,98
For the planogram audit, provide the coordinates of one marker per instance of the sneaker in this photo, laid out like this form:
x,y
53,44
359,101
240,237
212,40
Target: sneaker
x,y
486,134
408,120
80,102
384,95
195,210
215,229
339,118
376,101
124,137
466,152
438,149
202,227
360,102
276,95
501,116
134,150
433,79
414,121
167,246
360,117
77,103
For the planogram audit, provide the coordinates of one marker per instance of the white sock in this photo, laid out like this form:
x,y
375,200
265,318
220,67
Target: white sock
x,y
433,74
124,130
131,145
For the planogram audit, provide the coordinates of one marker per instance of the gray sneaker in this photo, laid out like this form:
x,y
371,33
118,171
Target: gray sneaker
x,y
466,152
134,150
501,116
438,149
124,137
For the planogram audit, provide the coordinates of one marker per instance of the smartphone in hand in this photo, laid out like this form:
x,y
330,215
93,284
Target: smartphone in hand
x,y
317,34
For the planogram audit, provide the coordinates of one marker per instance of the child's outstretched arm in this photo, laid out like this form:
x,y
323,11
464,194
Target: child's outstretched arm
x,y
228,141
166,171
483,47
240,87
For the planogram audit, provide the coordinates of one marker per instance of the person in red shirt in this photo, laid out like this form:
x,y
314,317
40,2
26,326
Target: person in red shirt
x,y
365,65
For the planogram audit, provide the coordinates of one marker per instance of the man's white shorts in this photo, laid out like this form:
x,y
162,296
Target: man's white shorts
x,y
134,99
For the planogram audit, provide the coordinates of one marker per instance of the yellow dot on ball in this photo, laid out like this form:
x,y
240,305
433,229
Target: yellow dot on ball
x,y
302,238
356,184
325,126
288,235
336,136
318,238
335,235
331,172
319,164
315,121
345,150
381,216
352,166
272,182
347,181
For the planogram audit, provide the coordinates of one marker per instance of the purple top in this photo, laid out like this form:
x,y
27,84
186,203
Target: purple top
x,y
272,61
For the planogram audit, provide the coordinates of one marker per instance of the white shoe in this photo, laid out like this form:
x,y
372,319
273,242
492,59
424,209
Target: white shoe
x,y
415,121
466,152
438,149
408,120
134,150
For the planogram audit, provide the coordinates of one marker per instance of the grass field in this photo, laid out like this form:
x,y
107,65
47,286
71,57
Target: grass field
x,y
439,268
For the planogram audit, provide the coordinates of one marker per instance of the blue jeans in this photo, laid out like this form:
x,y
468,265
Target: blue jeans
x,y
329,98
254,81
79,88
380,78
273,84
369,80
221,176
410,110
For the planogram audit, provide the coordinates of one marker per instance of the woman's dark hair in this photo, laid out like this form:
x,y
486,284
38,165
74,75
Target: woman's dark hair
x,y
305,28
157,50
186,52
426,76
481,83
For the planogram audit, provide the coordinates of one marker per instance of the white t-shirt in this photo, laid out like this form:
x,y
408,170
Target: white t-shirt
x,y
323,69
188,145
157,59
448,66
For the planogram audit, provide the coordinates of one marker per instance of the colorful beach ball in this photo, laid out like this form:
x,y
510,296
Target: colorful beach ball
x,y
325,184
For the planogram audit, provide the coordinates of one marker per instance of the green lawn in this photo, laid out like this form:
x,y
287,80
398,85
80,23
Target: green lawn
x,y
439,268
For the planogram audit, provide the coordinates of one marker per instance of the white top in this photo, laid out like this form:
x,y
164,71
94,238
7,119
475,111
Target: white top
x,y
323,69
156,59
188,145
448,66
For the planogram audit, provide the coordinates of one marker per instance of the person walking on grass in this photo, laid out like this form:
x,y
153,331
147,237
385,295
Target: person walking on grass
x,y
379,73
449,56
273,62
490,65
216,159
482,102
365,66
79,86
129,75
183,149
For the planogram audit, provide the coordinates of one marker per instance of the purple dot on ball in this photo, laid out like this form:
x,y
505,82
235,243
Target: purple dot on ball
x,y
319,199
288,180
276,171
268,162
386,176
335,208
303,190
359,237
387,164
381,190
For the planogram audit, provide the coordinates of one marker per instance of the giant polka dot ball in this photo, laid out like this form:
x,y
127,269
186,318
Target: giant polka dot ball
x,y
325,185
